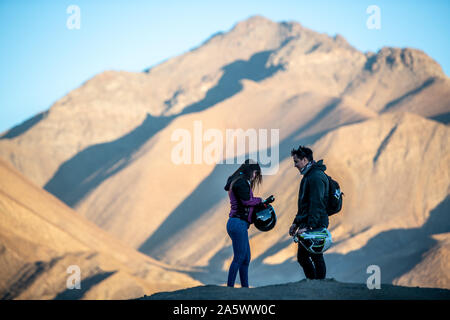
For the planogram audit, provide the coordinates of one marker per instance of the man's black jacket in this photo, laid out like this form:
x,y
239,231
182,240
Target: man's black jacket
x,y
313,197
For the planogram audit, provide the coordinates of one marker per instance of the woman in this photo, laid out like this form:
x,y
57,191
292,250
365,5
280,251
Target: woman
x,y
240,186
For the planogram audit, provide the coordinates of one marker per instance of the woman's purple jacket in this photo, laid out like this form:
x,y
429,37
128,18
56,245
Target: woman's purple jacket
x,y
241,195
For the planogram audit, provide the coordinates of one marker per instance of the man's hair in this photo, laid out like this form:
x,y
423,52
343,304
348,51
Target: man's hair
x,y
302,152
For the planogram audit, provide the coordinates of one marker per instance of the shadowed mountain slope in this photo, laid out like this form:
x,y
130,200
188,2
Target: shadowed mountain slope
x,y
41,238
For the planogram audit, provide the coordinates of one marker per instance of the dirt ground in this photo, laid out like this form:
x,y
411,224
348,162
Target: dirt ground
x,y
328,289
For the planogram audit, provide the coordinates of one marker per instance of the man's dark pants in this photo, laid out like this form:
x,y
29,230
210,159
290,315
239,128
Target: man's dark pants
x,y
313,264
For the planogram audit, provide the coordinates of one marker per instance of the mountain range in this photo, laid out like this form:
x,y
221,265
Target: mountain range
x,y
378,120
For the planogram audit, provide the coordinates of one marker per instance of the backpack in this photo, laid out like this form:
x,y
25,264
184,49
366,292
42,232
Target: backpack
x,y
335,194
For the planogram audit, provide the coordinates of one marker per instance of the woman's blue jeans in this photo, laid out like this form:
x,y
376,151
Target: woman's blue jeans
x,y
238,231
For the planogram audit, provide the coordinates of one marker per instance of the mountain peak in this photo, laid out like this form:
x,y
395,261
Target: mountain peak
x,y
397,58
255,21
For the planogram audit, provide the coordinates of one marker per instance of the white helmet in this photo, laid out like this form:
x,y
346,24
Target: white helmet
x,y
315,241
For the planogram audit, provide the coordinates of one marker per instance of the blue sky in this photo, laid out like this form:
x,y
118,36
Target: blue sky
x,y
42,60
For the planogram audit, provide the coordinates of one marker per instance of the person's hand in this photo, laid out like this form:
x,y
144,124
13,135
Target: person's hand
x,y
300,231
293,229
269,199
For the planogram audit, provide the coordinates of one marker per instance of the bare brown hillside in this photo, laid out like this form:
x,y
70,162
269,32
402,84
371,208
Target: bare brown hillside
x,y
41,237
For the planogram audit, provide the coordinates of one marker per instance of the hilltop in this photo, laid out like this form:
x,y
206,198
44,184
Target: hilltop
x,y
328,289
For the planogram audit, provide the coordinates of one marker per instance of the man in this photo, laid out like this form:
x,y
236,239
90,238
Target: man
x,y
312,203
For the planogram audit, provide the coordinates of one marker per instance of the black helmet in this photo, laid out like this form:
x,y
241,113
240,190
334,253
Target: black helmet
x,y
265,217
